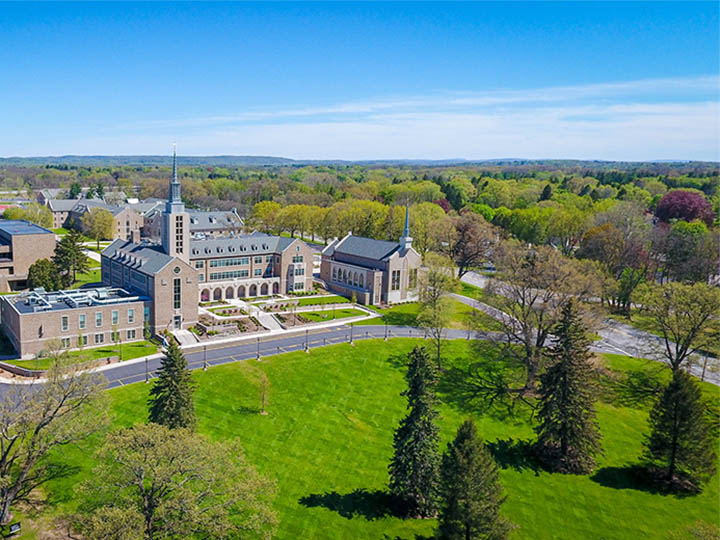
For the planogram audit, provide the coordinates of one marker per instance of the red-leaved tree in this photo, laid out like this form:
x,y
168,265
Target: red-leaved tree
x,y
686,205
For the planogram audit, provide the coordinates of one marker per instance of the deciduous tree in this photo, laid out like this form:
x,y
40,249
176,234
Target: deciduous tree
x,y
37,419
98,223
435,284
172,483
44,273
685,316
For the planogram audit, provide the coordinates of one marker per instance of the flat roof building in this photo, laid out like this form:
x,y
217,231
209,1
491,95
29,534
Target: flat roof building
x,y
75,318
21,244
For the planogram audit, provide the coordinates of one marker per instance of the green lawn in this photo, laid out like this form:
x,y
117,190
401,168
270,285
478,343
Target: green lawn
x,y
92,277
327,441
329,299
60,230
406,315
330,314
129,351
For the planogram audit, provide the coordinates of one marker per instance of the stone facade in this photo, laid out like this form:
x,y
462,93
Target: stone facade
x,y
32,330
276,266
21,244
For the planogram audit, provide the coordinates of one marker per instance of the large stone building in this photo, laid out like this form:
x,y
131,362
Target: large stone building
x,y
21,244
160,272
70,213
252,265
74,318
376,271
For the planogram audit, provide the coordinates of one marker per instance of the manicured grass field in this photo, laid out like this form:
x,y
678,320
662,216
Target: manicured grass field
x,y
91,278
330,299
129,351
328,437
406,315
330,314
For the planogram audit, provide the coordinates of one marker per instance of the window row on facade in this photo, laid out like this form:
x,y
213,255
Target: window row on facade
x,y
82,319
98,339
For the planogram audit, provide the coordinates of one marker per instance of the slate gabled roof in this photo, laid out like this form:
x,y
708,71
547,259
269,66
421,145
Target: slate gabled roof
x,y
368,248
62,205
217,220
246,245
149,258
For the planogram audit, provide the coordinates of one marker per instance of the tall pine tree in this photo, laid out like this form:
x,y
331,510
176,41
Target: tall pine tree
x,y
681,440
568,434
414,466
171,397
470,490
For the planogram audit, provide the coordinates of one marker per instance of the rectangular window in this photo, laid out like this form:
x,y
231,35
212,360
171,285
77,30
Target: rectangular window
x,y
395,285
64,323
82,341
115,336
115,317
131,334
146,313
297,259
176,293
412,278
268,258
66,343
231,261
299,286
232,274
98,319
99,338
258,271
299,271
258,260
131,315
201,277
81,321
199,264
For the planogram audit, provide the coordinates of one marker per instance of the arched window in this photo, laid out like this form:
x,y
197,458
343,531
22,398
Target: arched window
x,y
355,279
361,280
334,278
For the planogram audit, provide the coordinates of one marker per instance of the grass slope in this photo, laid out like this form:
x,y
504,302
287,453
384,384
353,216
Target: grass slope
x,y
328,437
406,315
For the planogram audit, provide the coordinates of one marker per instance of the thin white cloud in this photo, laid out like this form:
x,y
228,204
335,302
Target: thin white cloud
x,y
636,120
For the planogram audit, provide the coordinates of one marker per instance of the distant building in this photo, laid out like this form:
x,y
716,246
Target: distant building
x,y
74,318
21,244
376,271
70,212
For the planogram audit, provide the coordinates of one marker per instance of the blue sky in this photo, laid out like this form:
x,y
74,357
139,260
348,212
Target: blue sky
x,y
627,81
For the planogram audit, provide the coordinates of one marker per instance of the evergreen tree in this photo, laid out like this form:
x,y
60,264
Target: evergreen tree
x,y
568,435
546,194
470,490
171,397
75,190
70,257
414,467
681,439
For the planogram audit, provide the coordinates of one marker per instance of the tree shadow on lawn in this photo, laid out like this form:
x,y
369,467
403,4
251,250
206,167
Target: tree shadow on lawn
x,y
371,505
516,454
640,478
633,388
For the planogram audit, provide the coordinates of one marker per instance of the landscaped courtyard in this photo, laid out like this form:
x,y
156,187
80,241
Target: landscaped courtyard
x,y
328,437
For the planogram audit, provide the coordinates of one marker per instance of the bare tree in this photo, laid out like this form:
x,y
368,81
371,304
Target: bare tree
x,y
36,419
436,283
466,239
534,285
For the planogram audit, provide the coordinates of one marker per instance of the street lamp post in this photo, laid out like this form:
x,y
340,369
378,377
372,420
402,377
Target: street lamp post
x,y
147,373
258,349
351,334
307,345
205,364
386,331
